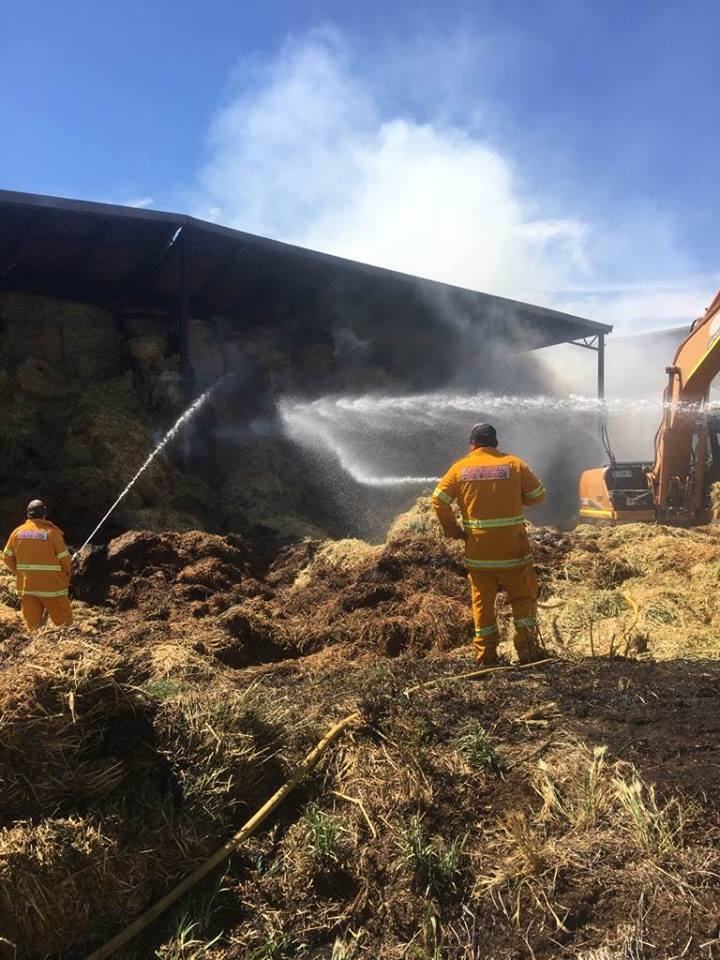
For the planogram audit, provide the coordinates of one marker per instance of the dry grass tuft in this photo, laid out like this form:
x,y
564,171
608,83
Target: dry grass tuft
x,y
596,817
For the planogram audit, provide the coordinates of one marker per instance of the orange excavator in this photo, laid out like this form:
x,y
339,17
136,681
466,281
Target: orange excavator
x,y
675,488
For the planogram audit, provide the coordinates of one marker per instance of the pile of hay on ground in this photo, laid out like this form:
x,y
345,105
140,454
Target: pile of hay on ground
x,y
136,742
167,575
638,588
113,784
408,594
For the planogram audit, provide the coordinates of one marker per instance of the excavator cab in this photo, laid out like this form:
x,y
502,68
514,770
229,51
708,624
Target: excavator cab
x,y
616,493
621,492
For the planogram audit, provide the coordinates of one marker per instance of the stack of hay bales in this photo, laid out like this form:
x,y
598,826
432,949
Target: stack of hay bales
x,y
73,424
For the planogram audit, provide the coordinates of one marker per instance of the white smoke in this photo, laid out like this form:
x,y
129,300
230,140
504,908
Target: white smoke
x,y
307,152
305,156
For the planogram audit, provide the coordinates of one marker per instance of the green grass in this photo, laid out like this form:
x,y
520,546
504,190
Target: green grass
x,y
277,947
436,864
184,945
323,834
162,689
479,752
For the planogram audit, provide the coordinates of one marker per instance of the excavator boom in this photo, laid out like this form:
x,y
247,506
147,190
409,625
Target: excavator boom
x,y
673,489
676,476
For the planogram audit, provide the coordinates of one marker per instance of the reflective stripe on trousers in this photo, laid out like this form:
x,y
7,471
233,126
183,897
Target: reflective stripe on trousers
x,y
45,593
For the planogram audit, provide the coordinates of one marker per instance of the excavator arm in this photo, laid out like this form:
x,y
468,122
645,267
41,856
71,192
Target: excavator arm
x,y
676,478
673,489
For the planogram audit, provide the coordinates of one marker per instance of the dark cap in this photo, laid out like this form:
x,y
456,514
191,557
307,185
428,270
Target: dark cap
x,y
36,510
483,435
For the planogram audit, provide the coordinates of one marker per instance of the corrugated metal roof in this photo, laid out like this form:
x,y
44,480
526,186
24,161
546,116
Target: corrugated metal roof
x,y
114,254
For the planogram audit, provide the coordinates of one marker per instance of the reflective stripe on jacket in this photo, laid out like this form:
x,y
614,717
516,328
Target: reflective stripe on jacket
x,y
37,555
491,489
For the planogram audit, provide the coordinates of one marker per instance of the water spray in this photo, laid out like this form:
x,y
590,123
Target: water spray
x,y
170,435
377,440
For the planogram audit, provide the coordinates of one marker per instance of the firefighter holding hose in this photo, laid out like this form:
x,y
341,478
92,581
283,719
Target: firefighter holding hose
x,y
491,489
37,555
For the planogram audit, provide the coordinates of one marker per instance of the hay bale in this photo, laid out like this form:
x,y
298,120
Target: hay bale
x,y
205,351
109,437
138,324
266,491
42,381
80,339
148,351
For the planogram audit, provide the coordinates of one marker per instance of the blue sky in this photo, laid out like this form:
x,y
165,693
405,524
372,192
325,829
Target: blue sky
x,y
560,151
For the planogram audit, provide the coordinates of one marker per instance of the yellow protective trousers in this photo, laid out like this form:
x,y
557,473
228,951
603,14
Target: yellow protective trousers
x,y
521,586
58,609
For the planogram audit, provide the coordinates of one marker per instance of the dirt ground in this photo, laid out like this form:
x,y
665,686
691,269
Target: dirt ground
x,y
567,810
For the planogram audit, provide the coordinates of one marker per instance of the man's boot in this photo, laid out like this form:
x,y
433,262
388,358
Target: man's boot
x,y
528,645
486,649
488,659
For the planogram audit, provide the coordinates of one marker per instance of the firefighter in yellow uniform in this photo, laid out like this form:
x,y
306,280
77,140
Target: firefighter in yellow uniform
x,y
491,489
37,555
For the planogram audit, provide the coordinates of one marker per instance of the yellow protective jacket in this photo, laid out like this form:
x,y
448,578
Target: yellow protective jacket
x,y
37,555
491,488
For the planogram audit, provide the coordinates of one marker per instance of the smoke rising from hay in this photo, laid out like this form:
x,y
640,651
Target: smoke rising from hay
x,y
308,150
315,147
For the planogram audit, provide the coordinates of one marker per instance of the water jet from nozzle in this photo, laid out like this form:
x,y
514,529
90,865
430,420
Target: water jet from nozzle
x,y
170,435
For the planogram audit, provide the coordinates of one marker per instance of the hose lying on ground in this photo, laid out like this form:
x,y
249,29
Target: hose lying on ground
x,y
475,673
145,919
153,912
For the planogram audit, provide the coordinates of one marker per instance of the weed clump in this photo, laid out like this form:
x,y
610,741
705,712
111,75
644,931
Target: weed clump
x,y
479,751
435,863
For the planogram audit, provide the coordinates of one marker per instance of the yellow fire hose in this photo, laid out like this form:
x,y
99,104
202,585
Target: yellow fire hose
x,y
153,912
145,919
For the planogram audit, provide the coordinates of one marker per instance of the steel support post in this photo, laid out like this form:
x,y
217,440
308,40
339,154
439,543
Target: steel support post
x,y
601,366
184,313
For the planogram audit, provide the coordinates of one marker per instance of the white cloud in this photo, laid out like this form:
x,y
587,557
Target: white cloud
x,y
305,153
